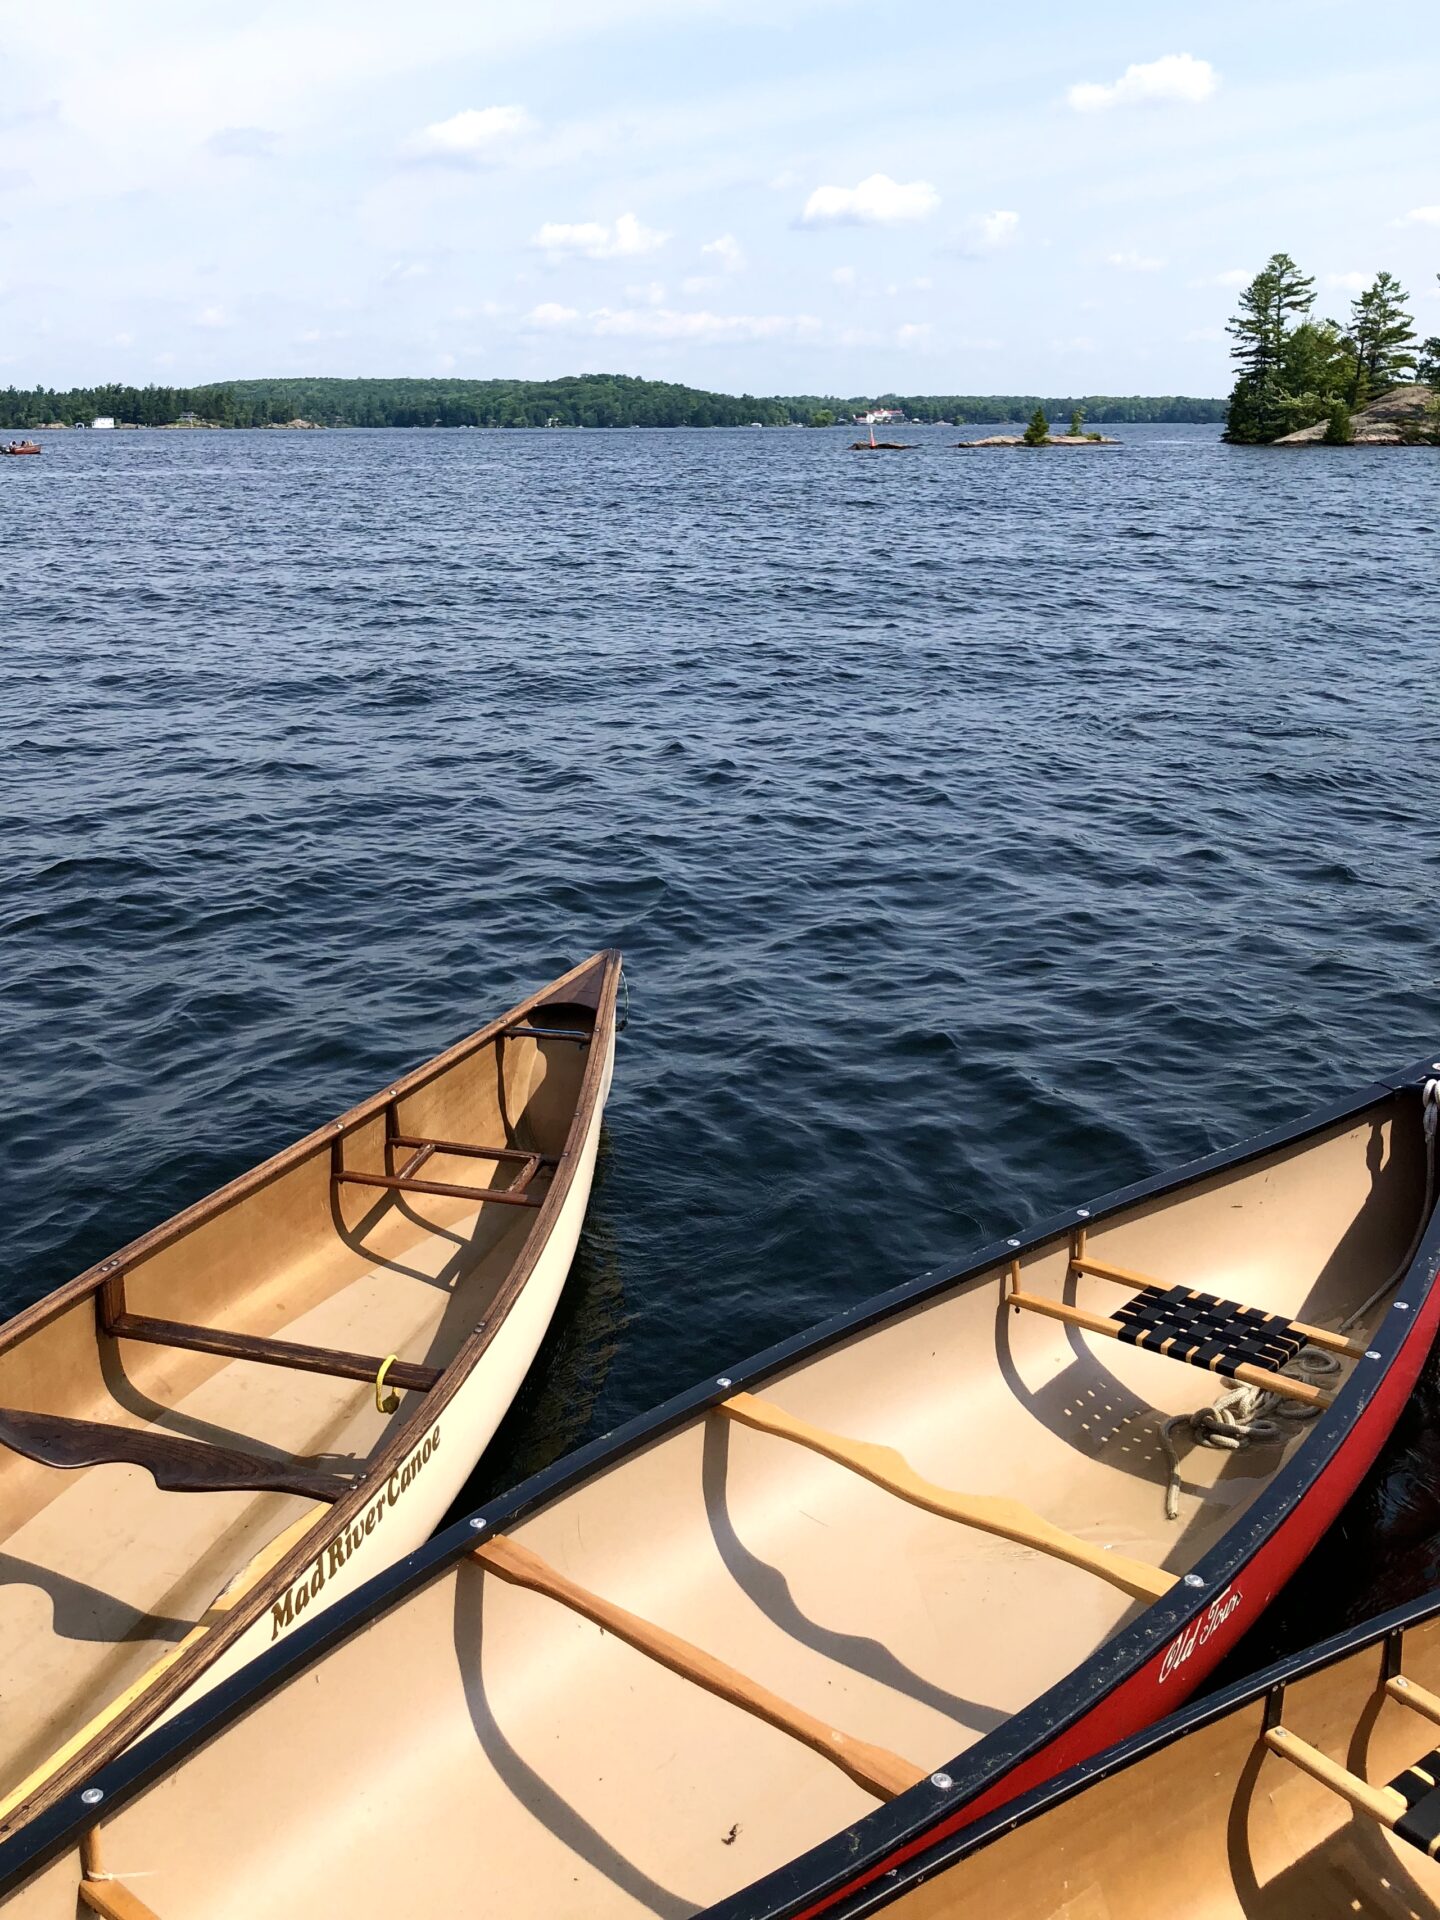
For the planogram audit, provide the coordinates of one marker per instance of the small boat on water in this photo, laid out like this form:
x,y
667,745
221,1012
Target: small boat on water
x,y
21,446
241,1416
751,1654
1310,1791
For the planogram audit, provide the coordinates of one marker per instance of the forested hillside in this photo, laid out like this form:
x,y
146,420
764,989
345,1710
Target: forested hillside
x,y
585,400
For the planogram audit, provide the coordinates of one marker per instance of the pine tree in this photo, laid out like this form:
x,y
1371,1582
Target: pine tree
x,y
1381,337
1340,429
1262,325
1038,431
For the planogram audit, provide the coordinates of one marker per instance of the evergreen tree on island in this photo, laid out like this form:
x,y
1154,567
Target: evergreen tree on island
x,y
1381,339
1038,431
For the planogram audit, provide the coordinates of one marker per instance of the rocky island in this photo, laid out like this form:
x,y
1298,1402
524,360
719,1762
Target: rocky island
x,y
1405,417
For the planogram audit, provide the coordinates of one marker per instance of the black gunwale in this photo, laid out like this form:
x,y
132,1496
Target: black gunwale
x,y
825,1869
1188,1719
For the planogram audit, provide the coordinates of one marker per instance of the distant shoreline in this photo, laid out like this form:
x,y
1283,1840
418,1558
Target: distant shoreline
x,y
577,401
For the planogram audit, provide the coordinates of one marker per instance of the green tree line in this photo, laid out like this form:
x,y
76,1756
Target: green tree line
x,y
1295,369
587,400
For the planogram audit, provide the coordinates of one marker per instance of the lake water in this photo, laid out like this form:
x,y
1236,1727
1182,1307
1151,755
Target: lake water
x,y
982,831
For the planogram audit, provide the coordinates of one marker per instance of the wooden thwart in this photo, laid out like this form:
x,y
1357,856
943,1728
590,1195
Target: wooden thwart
x,y
1249,1376
879,1772
271,1353
100,1892
1384,1804
990,1513
1126,1277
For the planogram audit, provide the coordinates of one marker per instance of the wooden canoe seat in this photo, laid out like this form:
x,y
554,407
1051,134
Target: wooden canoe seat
x,y
874,1768
1197,1328
175,1464
989,1513
121,1324
531,1166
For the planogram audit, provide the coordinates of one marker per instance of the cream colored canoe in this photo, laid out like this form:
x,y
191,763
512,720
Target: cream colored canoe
x,y
753,1653
241,1417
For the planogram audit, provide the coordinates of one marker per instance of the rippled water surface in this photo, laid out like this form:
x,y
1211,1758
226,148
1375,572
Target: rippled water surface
x,y
981,830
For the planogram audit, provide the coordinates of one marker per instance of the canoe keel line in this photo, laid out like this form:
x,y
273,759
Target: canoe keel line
x,y
428,1263
798,1624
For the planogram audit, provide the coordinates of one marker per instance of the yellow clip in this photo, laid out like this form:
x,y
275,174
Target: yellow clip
x,y
386,1402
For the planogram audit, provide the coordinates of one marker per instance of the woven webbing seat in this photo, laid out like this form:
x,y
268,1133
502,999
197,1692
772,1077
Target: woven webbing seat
x,y
1419,1787
1220,1335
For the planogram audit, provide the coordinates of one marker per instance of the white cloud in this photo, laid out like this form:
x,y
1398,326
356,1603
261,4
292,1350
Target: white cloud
x,y
876,202
923,284
699,283
666,323
596,241
1349,282
843,276
913,334
212,317
652,293
1419,217
1178,76
471,133
989,233
727,251
1130,260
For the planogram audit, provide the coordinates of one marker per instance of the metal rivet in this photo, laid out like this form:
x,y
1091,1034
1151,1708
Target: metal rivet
x,y
1372,1353
723,1381
1435,1066
1400,1681
1082,1213
106,1265
1402,1306
1193,1580
942,1781
478,1525
92,1796
1012,1243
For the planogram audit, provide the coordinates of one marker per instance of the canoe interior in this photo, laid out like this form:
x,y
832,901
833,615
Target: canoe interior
x,y
103,1571
567,1774
1217,1827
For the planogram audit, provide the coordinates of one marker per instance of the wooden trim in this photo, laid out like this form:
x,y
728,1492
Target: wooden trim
x,y
879,1772
406,1374
1125,1277
1410,1694
990,1513
114,1900
1384,1804
1111,1329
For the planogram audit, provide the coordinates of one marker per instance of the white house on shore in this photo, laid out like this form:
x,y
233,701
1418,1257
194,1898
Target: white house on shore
x,y
102,420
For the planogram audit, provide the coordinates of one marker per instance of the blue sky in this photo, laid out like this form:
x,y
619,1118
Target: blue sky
x,y
794,195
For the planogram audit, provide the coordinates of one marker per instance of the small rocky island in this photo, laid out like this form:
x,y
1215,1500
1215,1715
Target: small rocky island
x,y
1038,434
1050,440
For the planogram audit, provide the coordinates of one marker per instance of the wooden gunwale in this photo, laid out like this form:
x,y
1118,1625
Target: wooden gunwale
x,y
827,1878
424,1410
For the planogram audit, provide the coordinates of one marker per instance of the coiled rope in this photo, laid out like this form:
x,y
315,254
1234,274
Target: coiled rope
x,y
1246,1417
